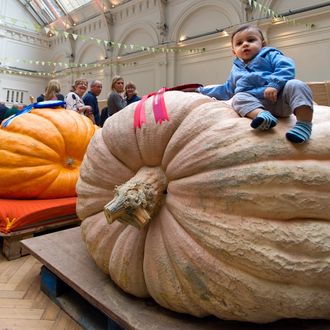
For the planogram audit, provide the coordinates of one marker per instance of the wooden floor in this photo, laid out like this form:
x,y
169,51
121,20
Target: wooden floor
x,y
22,304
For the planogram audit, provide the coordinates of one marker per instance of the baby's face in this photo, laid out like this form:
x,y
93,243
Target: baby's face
x,y
247,44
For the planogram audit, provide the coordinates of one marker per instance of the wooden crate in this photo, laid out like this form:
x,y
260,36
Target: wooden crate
x,y
321,92
11,247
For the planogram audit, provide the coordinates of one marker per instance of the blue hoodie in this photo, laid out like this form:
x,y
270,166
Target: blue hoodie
x,y
269,68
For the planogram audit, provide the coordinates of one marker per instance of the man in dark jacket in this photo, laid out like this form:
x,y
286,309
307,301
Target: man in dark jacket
x,y
90,98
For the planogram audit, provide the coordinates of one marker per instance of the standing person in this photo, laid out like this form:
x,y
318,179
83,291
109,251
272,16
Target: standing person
x,y
52,91
11,111
263,86
3,109
41,97
90,98
116,100
74,99
131,93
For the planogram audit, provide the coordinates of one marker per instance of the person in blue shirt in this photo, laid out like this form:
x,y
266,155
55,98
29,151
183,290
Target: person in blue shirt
x,y
90,98
262,86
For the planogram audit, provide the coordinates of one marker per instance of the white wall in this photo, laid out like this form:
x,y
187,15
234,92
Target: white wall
x,y
18,44
157,26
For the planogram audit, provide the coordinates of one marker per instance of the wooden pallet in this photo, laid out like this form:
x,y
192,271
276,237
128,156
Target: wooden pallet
x,y
11,247
71,278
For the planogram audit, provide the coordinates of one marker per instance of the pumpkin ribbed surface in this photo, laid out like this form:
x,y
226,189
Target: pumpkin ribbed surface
x,y
41,152
234,222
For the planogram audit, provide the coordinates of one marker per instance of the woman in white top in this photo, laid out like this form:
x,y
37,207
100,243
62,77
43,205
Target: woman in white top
x,y
74,99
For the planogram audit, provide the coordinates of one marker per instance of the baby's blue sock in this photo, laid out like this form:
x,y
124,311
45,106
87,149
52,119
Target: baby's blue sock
x,y
264,121
300,132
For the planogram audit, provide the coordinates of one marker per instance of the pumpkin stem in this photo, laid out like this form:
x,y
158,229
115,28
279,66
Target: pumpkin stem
x,y
139,199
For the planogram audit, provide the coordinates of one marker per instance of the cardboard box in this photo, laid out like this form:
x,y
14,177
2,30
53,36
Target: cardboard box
x,y
321,92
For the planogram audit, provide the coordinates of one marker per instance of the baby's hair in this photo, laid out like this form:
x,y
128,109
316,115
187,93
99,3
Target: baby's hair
x,y
247,27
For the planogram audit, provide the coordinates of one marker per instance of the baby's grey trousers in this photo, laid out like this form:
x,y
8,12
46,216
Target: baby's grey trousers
x,y
294,94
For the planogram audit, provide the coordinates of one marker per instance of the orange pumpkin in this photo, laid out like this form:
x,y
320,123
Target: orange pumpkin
x,y
227,220
41,152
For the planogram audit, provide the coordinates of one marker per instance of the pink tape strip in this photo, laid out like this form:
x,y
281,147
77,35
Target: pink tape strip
x,y
139,114
159,107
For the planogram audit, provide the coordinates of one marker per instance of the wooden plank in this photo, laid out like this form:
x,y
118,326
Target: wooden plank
x,y
12,248
21,313
14,324
44,225
65,255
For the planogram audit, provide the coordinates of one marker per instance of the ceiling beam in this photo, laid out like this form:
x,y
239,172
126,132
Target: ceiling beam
x,y
39,19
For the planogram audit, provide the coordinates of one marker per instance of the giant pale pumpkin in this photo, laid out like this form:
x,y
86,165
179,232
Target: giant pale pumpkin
x,y
234,222
41,152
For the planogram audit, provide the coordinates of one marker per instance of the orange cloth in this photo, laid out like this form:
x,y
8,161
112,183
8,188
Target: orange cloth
x,y
21,214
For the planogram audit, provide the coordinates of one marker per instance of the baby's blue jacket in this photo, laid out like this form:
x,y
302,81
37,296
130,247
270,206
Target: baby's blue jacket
x,y
270,68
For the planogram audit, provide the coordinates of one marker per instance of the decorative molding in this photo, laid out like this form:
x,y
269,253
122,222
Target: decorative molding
x,y
24,36
131,9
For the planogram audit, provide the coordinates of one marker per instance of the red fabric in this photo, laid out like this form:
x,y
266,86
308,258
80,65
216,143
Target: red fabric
x,y
184,87
16,214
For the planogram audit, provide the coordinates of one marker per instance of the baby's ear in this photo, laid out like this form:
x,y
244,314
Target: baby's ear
x,y
264,43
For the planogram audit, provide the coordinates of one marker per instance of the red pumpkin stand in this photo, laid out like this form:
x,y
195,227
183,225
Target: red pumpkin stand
x,y
20,219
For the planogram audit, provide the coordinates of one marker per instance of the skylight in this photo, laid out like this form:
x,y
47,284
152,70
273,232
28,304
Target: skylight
x,y
70,5
50,10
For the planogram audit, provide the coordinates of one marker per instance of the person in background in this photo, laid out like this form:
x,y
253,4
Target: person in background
x,y
41,97
263,86
74,99
131,93
52,91
3,109
116,100
12,111
90,98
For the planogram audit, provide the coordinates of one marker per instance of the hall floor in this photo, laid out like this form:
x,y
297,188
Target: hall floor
x,y
22,304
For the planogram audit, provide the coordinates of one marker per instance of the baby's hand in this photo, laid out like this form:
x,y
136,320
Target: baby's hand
x,y
270,94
